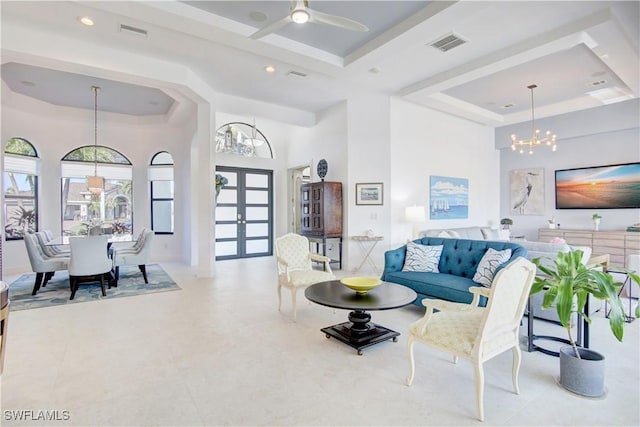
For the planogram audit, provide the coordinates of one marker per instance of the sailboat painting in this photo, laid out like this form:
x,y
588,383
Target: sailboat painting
x,y
449,198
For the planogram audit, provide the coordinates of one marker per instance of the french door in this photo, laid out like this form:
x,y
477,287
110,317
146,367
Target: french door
x,y
244,213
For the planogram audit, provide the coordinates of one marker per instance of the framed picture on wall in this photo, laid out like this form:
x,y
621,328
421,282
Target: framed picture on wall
x,y
449,197
527,191
369,193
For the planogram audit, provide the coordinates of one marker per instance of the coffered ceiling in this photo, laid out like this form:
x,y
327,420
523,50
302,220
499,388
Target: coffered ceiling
x,y
579,54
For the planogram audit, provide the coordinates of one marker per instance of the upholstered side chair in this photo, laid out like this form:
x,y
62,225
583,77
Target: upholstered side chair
x,y
295,269
138,255
41,264
89,261
478,333
57,249
48,250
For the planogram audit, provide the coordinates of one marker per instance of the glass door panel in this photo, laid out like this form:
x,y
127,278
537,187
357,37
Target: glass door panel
x,y
244,213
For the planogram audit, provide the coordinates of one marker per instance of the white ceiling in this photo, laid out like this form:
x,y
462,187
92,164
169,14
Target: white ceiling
x,y
569,49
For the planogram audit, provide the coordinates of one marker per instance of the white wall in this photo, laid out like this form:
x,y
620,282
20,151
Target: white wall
x,y
54,131
426,142
369,147
594,137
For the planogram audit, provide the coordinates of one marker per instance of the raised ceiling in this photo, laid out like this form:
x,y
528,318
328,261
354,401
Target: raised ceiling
x,y
580,54
74,90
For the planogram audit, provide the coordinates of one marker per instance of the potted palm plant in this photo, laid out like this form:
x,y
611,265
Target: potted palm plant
x,y
567,285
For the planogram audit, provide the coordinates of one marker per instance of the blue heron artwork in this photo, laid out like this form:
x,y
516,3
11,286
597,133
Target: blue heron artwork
x,y
527,191
449,198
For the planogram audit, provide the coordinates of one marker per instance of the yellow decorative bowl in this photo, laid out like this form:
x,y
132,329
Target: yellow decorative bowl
x,y
361,284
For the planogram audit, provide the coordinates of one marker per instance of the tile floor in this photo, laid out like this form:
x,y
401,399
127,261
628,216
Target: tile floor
x,y
219,353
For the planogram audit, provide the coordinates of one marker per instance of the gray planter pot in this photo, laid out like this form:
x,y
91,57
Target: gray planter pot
x,y
582,376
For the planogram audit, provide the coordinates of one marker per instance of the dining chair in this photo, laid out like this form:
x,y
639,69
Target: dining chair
x,y
138,255
58,249
295,269
41,264
89,262
478,333
49,249
135,245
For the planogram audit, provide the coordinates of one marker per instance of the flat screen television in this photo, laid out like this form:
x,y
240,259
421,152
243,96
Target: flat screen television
x,y
599,187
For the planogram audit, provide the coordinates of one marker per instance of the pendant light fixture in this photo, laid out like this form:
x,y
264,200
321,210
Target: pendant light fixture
x,y
549,138
254,135
95,183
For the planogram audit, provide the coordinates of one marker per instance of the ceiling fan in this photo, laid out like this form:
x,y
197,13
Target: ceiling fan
x,y
301,13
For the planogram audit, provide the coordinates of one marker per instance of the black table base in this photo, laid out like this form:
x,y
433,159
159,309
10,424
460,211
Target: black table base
x,y
359,332
582,338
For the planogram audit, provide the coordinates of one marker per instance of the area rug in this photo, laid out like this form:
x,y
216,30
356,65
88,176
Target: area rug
x,y
57,292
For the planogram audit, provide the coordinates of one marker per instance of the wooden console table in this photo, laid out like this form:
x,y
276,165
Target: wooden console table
x,y
619,244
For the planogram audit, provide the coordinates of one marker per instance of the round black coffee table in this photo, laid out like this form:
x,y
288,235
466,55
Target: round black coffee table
x,y
359,332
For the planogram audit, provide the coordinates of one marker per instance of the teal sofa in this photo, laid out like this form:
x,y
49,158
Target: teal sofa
x,y
458,264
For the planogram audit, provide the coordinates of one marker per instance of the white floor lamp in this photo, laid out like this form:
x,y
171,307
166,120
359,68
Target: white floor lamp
x,y
415,215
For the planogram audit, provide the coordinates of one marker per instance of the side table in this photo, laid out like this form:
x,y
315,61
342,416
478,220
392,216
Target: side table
x,y
628,318
367,243
582,327
599,259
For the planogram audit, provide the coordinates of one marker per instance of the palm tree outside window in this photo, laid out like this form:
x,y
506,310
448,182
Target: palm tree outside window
x,y
83,211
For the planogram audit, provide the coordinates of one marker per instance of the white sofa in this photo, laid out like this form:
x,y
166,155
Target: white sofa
x,y
548,253
472,233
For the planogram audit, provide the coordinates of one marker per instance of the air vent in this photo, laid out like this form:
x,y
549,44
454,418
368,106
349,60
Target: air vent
x,y
296,73
124,28
448,42
596,83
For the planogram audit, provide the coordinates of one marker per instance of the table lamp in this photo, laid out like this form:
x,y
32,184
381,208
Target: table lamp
x,y
415,215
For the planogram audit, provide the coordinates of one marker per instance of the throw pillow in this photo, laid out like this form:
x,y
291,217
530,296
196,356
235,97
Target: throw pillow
x,y
491,233
422,258
488,265
444,234
454,234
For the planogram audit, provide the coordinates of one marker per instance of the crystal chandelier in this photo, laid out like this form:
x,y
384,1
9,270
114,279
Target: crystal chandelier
x,y
95,183
548,139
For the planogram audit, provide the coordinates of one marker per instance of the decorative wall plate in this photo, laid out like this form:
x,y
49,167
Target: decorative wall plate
x,y
323,167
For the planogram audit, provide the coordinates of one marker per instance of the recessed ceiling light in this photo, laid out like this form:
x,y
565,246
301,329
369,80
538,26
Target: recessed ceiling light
x,y
85,20
270,69
258,16
508,106
154,103
374,70
27,83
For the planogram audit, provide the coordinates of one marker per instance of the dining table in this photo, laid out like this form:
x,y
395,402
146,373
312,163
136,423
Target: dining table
x,y
113,238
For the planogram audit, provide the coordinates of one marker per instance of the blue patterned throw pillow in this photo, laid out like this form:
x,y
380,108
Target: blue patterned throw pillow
x,y
488,265
422,258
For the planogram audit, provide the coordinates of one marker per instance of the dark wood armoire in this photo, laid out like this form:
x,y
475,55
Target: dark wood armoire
x,y
321,210
321,213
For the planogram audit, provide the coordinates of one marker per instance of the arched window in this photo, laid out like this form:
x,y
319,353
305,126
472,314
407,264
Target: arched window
x,y
161,180
20,183
112,209
242,139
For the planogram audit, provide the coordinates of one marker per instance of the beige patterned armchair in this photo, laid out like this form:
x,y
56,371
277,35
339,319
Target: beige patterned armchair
x,y
478,333
295,270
